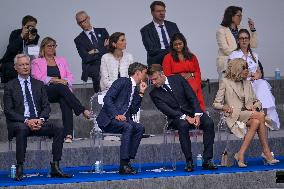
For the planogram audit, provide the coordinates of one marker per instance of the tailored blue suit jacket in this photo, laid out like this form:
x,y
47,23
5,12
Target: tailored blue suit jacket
x,y
151,41
84,45
116,102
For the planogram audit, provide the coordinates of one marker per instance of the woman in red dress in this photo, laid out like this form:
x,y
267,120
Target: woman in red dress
x,y
181,61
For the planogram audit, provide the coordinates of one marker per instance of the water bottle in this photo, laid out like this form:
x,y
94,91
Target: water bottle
x,y
98,167
13,171
277,74
199,160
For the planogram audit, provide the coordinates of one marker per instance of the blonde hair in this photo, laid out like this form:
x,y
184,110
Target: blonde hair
x,y
44,42
235,68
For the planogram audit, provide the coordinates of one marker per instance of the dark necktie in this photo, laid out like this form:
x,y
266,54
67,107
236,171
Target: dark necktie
x,y
165,41
30,101
94,40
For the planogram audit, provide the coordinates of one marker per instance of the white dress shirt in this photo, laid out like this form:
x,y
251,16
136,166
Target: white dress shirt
x,y
159,30
22,83
183,116
132,93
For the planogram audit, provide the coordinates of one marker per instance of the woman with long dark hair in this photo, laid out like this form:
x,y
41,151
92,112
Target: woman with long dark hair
x,y
181,61
226,36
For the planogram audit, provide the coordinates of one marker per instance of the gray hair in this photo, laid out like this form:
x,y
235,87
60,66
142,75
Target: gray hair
x,y
18,56
81,12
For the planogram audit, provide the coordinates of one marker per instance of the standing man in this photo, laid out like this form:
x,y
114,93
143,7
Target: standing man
x,y
91,45
122,100
157,34
174,97
27,109
19,41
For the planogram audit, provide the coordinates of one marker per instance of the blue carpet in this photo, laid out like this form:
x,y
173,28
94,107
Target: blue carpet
x,y
82,174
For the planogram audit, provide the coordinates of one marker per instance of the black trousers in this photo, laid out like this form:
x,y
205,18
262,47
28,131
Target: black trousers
x,y
22,131
92,70
207,125
132,133
68,101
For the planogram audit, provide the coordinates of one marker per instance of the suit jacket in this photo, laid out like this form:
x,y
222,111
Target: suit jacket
x,y
184,100
151,41
227,44
39,70
84,45
116,102
14,101
229,94
14,47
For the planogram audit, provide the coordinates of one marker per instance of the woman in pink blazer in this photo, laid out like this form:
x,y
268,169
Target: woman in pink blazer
x,y
55,74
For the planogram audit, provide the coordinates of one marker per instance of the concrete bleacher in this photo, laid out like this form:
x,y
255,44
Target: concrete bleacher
x,y
151,148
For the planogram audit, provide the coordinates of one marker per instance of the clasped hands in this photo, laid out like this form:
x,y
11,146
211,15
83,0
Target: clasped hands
x,y
95,51
58,81
193,120
34,124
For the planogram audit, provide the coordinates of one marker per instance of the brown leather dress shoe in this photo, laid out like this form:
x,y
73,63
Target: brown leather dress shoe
x,y
56,172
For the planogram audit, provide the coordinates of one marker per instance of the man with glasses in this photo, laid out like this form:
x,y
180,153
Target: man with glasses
x,y
91,45
19,41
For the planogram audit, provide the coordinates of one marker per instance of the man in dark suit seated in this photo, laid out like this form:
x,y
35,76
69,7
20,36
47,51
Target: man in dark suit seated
x,y
157,34
174,97
122,100
27,109
91,45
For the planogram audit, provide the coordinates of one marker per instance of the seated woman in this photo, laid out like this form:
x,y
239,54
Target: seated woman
x,y
181,61
260,86
242,110
55,74
115,63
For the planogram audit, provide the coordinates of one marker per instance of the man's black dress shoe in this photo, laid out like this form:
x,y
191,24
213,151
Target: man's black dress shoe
x,y
127,170
56,172
19,172
188,166
209,165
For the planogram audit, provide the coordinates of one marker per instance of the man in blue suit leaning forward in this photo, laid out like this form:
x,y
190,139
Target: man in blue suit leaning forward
x,y
121,101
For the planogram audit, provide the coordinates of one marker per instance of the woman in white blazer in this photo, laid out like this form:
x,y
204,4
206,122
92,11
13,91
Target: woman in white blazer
x,y
115,63
226,36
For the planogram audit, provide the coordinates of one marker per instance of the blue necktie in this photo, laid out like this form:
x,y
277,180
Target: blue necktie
x,y
30,101
94,40
165,41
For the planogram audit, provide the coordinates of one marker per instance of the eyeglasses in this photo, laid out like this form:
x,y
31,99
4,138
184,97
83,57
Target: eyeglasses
x,y
243,38
82,21
245,67
51,46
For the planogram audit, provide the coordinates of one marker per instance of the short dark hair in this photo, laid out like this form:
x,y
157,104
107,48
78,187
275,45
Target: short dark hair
x,y
113,39
229,13
159,3
154,68
27,19
136,66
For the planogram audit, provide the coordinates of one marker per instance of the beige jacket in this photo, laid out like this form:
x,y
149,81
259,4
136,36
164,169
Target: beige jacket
x,y
228,94
227,44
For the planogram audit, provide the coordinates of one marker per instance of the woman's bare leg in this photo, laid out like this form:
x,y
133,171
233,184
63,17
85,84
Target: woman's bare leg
x,y
253,125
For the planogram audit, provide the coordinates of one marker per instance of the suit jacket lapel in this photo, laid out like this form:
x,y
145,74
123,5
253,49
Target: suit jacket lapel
x,y
20,92
34,95
155,33
173,88
86,39
235,89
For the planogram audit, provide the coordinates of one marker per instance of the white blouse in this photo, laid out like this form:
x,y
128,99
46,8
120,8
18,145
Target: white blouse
x,y
252,65
110,67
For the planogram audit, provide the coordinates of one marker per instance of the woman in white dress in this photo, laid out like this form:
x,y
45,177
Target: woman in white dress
x,y
115,63
260,86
